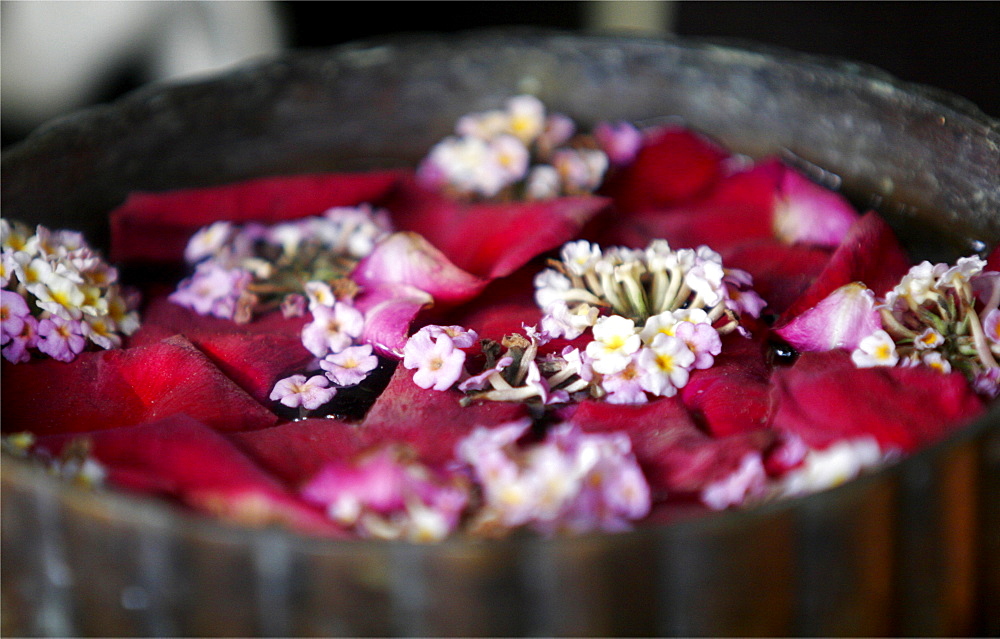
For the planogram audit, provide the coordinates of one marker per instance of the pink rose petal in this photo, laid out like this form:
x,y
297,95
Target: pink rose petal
x,y
409,259
840,320
870,254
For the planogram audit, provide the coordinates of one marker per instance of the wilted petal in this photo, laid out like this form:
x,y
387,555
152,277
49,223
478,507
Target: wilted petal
x,y
841,320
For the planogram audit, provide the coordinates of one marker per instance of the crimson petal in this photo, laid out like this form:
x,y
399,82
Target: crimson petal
x,y
733,396
155,227
674,165
112,389
181,457
823,398
678,459
432,422
870,253
491,240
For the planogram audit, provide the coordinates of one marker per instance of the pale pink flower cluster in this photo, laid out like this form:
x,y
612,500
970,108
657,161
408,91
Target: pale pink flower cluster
x,y
333,336
569,482
388,495
519,148
232,261
58,295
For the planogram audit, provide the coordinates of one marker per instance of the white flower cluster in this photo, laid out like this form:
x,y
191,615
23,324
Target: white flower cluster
x,y
519,148
59,295
240,270
943,316
654,315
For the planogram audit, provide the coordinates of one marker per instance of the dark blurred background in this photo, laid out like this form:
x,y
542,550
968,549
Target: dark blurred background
x,y
59,56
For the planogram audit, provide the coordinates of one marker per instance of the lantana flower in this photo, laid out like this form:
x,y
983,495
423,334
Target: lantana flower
x,y
58,295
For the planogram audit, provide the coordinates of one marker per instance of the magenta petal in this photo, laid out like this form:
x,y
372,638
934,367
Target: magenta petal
x,y
407,258
870,254
379,481
181,457
389,310
824,398
155,227
841,320
807,213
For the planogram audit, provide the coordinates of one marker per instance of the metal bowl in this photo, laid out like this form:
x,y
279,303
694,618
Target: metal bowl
x,y
910,550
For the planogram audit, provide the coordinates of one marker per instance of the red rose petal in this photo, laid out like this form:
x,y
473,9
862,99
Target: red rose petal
x,y
870,254
733,396
155,227
494,239
116,388
89,393
296,451
255,361
161,318
673,166
823,397
678,459
432,422
181,457
781,273
719,226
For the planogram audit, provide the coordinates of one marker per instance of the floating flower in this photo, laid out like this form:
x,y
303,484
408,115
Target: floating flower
x,y
350,366
387,494
439,364
332,329
298,391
